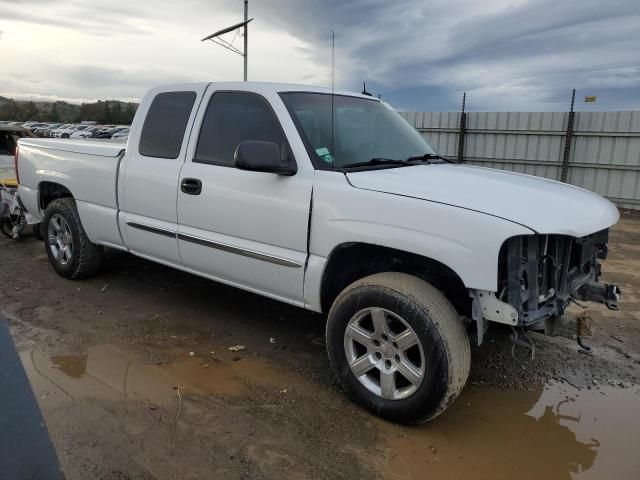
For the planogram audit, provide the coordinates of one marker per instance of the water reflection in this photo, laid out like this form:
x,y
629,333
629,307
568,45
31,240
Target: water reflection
x,y
108,372
555,433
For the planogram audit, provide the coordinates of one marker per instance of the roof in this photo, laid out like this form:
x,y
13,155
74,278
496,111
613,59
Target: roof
x,y
262,87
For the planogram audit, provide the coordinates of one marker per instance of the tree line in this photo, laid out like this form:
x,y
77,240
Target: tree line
x,y
102,111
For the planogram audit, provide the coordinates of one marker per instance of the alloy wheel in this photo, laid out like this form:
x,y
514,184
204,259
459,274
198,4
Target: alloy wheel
x,y
60,239
384,353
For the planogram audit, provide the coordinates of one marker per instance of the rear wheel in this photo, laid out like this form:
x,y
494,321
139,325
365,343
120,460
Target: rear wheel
x,y
398,347
70,251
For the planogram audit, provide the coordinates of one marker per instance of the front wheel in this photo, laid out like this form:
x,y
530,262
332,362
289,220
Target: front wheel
x,y
398,347
70,251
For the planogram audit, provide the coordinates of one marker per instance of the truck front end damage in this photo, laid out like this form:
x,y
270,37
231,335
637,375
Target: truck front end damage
x,y
539,275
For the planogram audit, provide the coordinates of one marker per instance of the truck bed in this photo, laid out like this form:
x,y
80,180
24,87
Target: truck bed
x,y
84,146
88,169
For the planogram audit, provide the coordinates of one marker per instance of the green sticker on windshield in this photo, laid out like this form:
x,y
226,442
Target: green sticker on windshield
x,y
324,154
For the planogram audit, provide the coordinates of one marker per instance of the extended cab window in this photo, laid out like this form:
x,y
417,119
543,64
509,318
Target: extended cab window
x,y
230,119
165,124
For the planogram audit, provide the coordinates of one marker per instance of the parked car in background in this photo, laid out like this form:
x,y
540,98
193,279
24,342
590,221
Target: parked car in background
x,y
35,126
57,132
48,133
121,135
42,131
67,131
110,132
84,132
104,128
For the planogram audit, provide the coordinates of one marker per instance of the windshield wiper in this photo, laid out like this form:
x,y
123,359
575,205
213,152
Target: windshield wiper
x,y
429,156
376,161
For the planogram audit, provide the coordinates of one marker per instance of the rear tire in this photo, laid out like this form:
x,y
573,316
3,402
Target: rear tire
x,y
416,365
70,251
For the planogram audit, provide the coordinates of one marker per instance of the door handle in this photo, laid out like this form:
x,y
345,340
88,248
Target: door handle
x,y
191,186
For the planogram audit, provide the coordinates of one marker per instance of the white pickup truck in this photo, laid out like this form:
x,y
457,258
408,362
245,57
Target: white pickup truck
x,y
331,202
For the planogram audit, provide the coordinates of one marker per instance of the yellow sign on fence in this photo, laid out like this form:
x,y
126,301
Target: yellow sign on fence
x,y
590,99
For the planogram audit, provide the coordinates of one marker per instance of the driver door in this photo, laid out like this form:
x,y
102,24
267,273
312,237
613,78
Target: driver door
x,y
244,228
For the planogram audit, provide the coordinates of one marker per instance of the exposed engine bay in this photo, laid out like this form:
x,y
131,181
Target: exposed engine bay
x,y
539,275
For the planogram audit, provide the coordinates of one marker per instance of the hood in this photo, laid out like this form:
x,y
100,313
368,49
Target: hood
x,y
545,206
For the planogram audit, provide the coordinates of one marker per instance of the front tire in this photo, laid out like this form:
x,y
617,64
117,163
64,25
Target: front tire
x,y
398,347
70,251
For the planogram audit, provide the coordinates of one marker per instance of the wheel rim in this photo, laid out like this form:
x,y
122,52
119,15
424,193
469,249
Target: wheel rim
x,y
60,239
384,353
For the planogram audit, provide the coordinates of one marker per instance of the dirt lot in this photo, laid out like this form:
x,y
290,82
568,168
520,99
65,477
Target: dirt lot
x,y
134,375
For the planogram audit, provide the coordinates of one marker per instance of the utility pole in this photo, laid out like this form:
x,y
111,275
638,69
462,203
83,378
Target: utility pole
x,y
229,45
246,37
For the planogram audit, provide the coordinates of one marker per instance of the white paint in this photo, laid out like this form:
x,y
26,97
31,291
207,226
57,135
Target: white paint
x,y
457,215
543,205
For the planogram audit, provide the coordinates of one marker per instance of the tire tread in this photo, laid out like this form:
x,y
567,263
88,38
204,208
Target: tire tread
x,y
446,319
90,254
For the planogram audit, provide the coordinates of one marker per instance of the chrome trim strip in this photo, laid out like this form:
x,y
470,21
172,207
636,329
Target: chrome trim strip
x,y
240,251
147,228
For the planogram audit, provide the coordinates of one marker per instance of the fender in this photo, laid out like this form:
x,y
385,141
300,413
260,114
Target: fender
x,y
465,241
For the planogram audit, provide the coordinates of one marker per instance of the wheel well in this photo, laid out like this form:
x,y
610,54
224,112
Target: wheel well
x,y
350,262
50,191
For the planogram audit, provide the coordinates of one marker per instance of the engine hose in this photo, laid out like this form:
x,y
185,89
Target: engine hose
x,y
586,349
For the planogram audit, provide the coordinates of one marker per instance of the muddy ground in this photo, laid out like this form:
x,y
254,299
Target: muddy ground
x,y
133,372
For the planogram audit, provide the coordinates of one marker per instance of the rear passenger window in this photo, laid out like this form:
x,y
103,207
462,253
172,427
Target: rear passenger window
x,y
165,124
230,119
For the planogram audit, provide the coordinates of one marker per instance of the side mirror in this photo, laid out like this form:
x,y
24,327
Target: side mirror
x,y
262,157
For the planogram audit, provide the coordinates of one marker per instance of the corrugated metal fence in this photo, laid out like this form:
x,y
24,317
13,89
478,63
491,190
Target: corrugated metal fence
x,y
604,146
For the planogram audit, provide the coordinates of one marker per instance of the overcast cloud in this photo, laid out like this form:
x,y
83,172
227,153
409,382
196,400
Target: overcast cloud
x,y
421,55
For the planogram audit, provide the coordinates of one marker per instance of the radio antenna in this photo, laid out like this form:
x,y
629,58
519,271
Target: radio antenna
x,y
333,48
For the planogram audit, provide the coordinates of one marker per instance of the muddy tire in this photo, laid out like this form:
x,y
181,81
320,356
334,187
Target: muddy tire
x,y
398,347
70,251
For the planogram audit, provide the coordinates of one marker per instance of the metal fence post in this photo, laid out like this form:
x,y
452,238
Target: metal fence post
x,y
567,140
463,118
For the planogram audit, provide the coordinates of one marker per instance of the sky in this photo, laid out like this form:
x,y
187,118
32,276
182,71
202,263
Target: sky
x,y
420,55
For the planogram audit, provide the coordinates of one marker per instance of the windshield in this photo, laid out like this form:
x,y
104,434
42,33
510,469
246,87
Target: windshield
x,y
363,129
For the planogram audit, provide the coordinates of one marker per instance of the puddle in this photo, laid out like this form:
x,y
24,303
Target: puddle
x,y
554,433
108,372
73,365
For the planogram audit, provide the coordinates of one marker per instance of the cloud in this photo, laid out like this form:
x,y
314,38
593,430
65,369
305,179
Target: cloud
x,y
74,15
506,54
519,54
